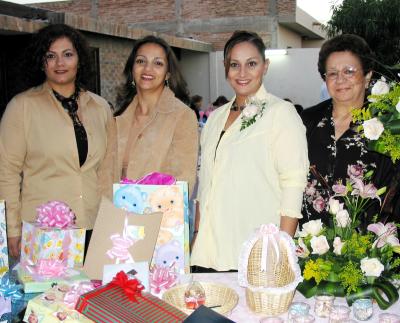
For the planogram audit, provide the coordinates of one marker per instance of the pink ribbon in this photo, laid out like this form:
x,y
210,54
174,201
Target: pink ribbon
x,y
162,278
269,234
120,248
46,268
72,296
55,214
153,178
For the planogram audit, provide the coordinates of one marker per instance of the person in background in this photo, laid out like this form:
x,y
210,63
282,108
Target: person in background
x,y
335,148
156,130
54,136
220,101
195,104
250,173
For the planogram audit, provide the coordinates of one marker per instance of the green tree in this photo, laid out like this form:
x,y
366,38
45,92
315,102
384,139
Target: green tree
x,y
377,21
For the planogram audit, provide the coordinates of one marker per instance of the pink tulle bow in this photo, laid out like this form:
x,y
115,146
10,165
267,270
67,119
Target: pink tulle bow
x,y
71,297
55,214
153,178
50,268
162,278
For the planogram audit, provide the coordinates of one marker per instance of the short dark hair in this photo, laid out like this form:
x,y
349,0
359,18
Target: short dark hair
x,y
176,81
221,100
346,43
35,55
238,37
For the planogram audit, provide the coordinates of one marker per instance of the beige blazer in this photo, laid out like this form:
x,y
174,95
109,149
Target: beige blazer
x,y
39,157
168,143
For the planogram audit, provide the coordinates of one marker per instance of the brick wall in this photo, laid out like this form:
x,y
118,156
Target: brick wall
x,y
113,53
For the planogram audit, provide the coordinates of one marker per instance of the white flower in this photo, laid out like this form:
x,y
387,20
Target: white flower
x,y
380,87
319,245
337,246
343,218
250,111
373,129
371,267
313,228
334,206
398,106
302,250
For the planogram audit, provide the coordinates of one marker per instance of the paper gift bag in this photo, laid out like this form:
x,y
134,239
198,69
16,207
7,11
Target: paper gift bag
x,y
172,247
3,240
120,237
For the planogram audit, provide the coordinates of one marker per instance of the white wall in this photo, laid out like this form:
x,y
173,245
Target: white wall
x,y
294,76
195,68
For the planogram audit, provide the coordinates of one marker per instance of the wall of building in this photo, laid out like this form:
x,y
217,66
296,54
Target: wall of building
x,y
294,76
206,20
288,39
196,71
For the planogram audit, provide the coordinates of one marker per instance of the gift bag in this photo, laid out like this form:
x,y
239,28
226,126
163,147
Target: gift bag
x,y
172,247
3,240
120,237
53,236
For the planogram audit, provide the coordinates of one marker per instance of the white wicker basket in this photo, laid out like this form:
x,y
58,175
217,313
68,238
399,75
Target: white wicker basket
x,y
269,270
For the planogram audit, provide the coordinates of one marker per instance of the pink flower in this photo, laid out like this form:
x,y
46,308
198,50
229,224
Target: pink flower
x,y
310,188
386,234
355,171
319,245
365,191
319,204
339,189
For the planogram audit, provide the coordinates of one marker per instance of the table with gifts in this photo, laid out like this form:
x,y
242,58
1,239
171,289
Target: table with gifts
x,y
241,313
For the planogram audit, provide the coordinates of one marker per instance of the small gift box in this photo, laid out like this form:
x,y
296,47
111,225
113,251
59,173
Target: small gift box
x,y
57,304
53,236
122,301
39,278
3,240
12,299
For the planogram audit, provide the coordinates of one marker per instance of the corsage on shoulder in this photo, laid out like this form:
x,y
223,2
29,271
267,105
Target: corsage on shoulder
x,y
253,110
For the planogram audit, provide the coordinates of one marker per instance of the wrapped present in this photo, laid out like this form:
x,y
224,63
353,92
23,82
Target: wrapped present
x,y
53,236
128,238
122,300
12,299
172,246
3,240
57,304
138,270
39,278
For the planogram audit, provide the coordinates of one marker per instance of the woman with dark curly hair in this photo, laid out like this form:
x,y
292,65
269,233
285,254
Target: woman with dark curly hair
x,y
345,64
156,131
53,136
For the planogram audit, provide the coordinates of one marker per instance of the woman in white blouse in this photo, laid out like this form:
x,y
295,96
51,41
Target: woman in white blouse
x,y
254,161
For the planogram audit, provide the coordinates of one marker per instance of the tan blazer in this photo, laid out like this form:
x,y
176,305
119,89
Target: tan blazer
x,y
39,157
168,143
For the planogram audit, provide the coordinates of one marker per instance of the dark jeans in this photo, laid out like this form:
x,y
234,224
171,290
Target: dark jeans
x,y
198,270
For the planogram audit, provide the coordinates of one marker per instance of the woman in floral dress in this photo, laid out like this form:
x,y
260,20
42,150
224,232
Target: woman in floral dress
x,y
335,149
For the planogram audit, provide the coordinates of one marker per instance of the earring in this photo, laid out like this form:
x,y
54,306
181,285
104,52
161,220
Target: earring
x,y
133,83
166,83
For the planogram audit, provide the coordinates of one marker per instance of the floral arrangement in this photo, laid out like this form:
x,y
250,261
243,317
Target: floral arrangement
x,y
343,260
253,111
380,120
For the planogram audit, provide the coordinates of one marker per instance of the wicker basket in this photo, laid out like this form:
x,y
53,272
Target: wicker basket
x,y
216,294
270,276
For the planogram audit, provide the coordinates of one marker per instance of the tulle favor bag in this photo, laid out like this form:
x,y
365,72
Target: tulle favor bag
x,y
269,270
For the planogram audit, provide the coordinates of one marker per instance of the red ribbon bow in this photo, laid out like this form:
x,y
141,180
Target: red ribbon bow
x,y
131,287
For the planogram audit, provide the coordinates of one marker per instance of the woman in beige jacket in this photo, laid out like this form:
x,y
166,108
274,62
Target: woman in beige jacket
x,y
53,137
156,131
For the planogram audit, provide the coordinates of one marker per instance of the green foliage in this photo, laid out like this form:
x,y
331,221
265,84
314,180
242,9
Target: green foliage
x,y
358,245
351,277
377,21
318,269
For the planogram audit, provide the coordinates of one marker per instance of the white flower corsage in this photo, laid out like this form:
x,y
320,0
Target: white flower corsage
x,y
253,111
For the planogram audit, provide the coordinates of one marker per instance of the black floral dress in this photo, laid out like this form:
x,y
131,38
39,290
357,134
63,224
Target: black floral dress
x,y
330,159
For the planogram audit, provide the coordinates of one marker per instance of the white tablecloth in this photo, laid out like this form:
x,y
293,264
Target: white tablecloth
x,y
242,314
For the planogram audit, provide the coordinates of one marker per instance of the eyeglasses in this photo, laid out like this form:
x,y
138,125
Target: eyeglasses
x,y
348,72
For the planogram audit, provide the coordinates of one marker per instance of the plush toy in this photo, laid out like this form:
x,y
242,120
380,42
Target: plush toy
x,y
130,198
170,255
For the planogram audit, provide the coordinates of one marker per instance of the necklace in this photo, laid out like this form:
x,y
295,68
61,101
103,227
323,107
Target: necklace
x,y
235,107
